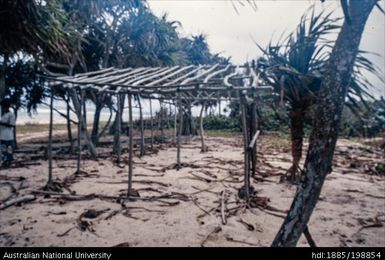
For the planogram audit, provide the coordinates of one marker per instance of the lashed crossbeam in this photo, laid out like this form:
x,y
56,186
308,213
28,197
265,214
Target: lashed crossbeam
x,y
184,85
157,79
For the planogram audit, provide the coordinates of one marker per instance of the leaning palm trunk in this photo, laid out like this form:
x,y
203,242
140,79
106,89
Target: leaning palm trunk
x,y
3,66
324,135
107,125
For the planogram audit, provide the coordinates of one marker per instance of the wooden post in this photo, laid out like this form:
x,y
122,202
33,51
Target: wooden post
x,y
161,125
178,165
131,146
119,127
253,129
142,144
49,183
84,110
243,104
69,130
201,128
151,125
79,132
175,123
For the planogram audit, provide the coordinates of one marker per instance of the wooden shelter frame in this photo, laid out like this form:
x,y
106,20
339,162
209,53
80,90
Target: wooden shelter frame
x,y
194,83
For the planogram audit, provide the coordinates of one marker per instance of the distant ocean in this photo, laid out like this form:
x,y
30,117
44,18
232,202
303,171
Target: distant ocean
x,y
41,115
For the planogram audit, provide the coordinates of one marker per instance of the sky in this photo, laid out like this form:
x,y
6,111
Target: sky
x,y
234,31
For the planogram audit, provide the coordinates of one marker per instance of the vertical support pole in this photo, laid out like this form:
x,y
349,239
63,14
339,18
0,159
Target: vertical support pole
x,y
69,130
243,103
119,127
203,149
161,122
175,122
79,143
131,146
179,132
254,129
84,111
49,183
151,125
142,141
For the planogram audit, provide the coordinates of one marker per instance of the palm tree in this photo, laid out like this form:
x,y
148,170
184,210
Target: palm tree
x,y
295,67
35,28
323,138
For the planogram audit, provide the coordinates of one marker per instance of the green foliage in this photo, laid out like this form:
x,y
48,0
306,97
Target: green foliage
x,y
23,87
196,51
36,28
220,122
369,122
293,66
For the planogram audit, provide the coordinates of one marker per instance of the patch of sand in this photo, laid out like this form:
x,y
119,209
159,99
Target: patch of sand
x,y
350,198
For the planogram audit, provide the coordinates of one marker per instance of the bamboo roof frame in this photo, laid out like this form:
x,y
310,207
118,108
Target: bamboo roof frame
x,y
177,83
164,81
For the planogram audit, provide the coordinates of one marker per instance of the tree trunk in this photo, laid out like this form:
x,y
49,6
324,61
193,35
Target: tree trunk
x,y
107,124
2,76
77,107
192,121
79,141
95,126
49,182
188,121
324,135
116,132
297,117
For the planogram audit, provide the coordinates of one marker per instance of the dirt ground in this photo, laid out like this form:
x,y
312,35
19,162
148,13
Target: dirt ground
x,y
195,206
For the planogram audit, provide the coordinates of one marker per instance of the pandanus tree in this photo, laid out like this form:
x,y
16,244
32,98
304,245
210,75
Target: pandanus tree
x,y
323,138
295,68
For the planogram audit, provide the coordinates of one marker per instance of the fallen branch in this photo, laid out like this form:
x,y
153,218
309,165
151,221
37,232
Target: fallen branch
x,y
194,200
247,225
77,197
215,231
223,207
228,238
65,233
205,190
18,200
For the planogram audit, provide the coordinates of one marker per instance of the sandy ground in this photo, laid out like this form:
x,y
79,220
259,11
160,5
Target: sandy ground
x,y
351,211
